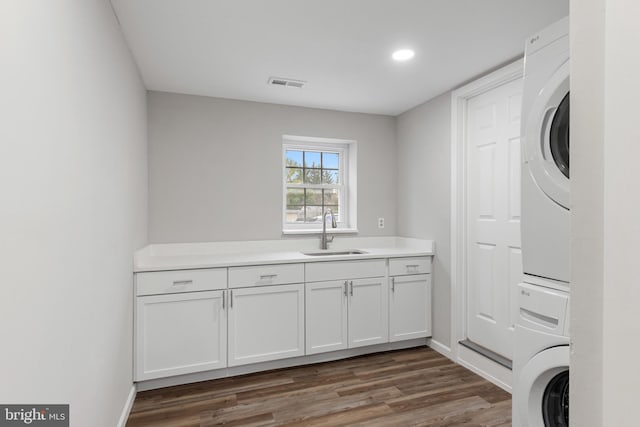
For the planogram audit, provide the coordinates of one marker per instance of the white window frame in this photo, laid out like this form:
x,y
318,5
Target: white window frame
x,y
348,178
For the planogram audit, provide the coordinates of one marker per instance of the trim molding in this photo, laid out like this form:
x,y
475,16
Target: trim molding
x,y
459,100
486,368
440,348
124,416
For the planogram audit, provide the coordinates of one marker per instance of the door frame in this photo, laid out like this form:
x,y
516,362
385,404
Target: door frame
x,y
459,101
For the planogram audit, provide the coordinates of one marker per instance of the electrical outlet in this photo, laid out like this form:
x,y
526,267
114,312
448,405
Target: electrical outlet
x,y
380,222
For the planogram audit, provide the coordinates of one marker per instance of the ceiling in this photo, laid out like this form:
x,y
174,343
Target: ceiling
x,y
342,48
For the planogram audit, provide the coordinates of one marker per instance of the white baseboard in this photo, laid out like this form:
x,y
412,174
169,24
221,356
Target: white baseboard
x,y
441,348
476,363
127,407
485,367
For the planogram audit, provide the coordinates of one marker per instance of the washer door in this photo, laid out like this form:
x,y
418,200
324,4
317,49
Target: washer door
x,y
547,138
541,394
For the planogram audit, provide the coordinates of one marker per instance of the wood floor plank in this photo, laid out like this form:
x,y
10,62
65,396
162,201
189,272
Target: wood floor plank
x,y
428,416
414,387
496,416
347,417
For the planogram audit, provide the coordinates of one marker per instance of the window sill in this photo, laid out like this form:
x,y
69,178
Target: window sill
x,y
319,231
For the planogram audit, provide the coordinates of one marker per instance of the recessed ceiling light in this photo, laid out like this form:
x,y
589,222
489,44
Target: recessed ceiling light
x,y
403,54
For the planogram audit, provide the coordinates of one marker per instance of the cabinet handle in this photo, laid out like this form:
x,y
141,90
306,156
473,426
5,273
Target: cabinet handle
x,y
412,267
182,282
393,284
231,298
351,283
346,283
268,276
224,297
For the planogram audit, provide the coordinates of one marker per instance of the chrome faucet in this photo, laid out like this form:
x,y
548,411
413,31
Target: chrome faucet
x,y
324,240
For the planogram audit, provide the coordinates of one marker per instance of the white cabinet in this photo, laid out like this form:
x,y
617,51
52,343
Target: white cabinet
x,y
171,282
180,322
326,316
409,265
346,313
265,323
189,321
344,270
409,299
180,333
265,275
368,312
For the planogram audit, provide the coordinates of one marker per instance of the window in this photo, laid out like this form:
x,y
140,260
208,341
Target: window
x,y
318,175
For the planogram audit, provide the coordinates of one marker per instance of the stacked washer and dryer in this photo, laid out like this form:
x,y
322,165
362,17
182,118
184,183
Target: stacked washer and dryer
x,y
541,356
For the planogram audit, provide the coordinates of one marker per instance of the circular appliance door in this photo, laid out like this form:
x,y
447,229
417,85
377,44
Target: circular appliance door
x,y
547,138
541,396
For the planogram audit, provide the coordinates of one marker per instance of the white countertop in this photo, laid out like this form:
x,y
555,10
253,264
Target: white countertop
x,y
182,256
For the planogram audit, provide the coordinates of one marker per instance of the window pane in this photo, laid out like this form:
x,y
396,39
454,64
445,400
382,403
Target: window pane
x,y
313,214
294,158
294,176
312,176
330,160
295,197
311,159
330,177
313,197
331,197
294,214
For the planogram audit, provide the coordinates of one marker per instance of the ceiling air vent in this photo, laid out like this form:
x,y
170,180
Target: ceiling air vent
x,y
279,81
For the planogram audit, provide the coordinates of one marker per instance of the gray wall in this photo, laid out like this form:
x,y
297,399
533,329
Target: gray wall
x,y
73,181
423,197
215,166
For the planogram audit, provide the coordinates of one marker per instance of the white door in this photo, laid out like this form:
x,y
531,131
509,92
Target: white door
x,y
180,334
410,307
494,259
265,323
326,316
368,312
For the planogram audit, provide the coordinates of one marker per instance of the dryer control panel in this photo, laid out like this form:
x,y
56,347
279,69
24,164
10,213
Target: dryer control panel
x,y
543,309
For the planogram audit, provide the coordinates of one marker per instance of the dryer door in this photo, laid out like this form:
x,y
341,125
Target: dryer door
x,y
541,395
546,138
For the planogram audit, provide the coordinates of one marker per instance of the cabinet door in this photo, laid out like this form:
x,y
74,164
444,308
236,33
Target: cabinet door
x,y
368,312
266,323
410,307
180,334
326,316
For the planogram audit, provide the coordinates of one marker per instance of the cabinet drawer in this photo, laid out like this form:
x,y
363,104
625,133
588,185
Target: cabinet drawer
x,y
171,282
413,265
261,275
337,270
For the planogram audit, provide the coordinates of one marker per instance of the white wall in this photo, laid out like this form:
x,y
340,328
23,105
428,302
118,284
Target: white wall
x,y
424,198
215,166
587,214
606,206
73,208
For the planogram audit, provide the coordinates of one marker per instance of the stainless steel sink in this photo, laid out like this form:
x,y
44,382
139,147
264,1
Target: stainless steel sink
x,y
336,252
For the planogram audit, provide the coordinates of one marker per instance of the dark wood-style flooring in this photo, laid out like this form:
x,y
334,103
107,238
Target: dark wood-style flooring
x,y
415,387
